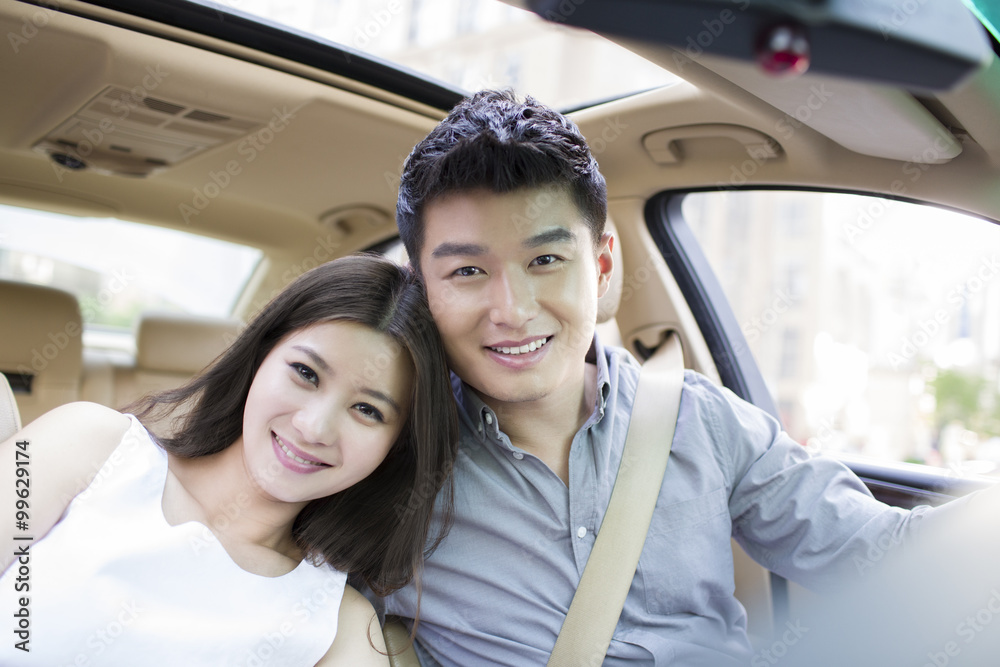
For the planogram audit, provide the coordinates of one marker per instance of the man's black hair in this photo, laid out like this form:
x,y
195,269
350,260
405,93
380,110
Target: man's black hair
x,y
494,141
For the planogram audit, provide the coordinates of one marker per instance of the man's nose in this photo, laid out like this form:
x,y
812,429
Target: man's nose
x,y
513,303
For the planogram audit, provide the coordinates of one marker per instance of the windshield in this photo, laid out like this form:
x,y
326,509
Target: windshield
x,y
471,45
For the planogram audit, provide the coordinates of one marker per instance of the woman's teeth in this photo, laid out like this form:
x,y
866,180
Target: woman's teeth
x,y
292,456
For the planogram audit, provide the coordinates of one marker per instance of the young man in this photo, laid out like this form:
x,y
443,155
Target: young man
x,y
502,210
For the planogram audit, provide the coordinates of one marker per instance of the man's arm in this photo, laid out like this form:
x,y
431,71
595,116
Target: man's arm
x,y
808,518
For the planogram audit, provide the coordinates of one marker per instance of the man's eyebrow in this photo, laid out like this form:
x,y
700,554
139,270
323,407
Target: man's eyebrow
x,y
449,249
554,235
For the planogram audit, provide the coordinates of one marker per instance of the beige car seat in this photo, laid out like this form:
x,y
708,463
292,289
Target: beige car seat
x,y
41,351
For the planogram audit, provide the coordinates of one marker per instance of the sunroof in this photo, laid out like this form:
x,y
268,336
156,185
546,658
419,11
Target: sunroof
x,y
471,44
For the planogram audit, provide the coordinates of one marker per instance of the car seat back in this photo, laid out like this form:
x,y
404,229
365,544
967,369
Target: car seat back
x,y
41,348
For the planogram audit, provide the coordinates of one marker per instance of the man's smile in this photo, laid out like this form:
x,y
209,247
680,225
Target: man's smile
x,y
514,348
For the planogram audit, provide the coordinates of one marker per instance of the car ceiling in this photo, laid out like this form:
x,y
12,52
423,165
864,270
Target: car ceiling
x,y
331,173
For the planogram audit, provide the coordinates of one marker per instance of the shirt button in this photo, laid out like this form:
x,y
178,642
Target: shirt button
x,y
489,418
581,532
518,455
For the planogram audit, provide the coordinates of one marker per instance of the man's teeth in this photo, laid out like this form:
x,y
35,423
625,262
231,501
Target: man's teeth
x,y
524,349
292,456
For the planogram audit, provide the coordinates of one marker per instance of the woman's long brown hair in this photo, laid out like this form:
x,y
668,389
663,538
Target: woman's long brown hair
x,y
377,530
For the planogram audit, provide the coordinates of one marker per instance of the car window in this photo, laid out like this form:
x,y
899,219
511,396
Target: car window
x,y
875,323
117,269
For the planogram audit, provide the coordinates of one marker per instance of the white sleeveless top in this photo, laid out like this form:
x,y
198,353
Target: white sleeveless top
x,y
114,584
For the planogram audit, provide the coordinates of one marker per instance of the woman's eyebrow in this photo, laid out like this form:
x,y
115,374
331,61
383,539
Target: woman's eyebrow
x,y
316,359
375,393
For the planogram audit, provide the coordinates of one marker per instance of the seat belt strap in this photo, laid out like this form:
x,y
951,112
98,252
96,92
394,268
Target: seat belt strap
x,y
597,605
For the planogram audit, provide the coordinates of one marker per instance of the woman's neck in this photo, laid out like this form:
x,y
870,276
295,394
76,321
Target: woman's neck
x,y
217,490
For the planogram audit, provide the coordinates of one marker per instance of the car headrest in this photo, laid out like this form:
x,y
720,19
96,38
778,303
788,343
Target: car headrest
x,y
181,344
10,417
41,350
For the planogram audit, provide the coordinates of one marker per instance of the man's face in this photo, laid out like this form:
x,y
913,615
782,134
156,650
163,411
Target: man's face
x,y
513,281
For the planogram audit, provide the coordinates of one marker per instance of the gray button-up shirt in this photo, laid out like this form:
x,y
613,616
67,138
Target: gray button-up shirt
x,y
497,589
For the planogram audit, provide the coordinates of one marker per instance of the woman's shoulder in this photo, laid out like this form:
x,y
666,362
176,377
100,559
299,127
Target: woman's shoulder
x,y
359,636
73,440
88,426
80,422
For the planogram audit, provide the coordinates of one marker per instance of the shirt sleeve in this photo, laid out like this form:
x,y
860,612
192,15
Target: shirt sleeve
x,y
808,518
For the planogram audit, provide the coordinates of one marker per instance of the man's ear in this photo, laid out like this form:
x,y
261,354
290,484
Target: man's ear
x,y
609,283
605,262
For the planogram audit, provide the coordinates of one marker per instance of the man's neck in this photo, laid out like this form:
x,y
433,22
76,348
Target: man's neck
x,y
546,427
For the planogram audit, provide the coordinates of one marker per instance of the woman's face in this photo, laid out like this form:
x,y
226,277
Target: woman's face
x,y
324,408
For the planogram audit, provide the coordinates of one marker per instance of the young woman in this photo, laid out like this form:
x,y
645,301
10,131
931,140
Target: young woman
x,y
313,448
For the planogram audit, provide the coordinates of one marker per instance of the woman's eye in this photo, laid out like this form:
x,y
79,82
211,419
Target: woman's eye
x,y
370,411
306,373
467,271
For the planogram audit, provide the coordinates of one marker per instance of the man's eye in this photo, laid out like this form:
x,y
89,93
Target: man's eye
x,y
466,271
370,411
545,259
306,373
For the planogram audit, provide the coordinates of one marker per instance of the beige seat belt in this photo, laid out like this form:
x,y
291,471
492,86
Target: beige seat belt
x,y
597,605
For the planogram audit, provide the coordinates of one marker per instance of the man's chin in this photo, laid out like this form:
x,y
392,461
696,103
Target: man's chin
x,y
491,392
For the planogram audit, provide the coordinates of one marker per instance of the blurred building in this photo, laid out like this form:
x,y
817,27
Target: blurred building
x,y
852,306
